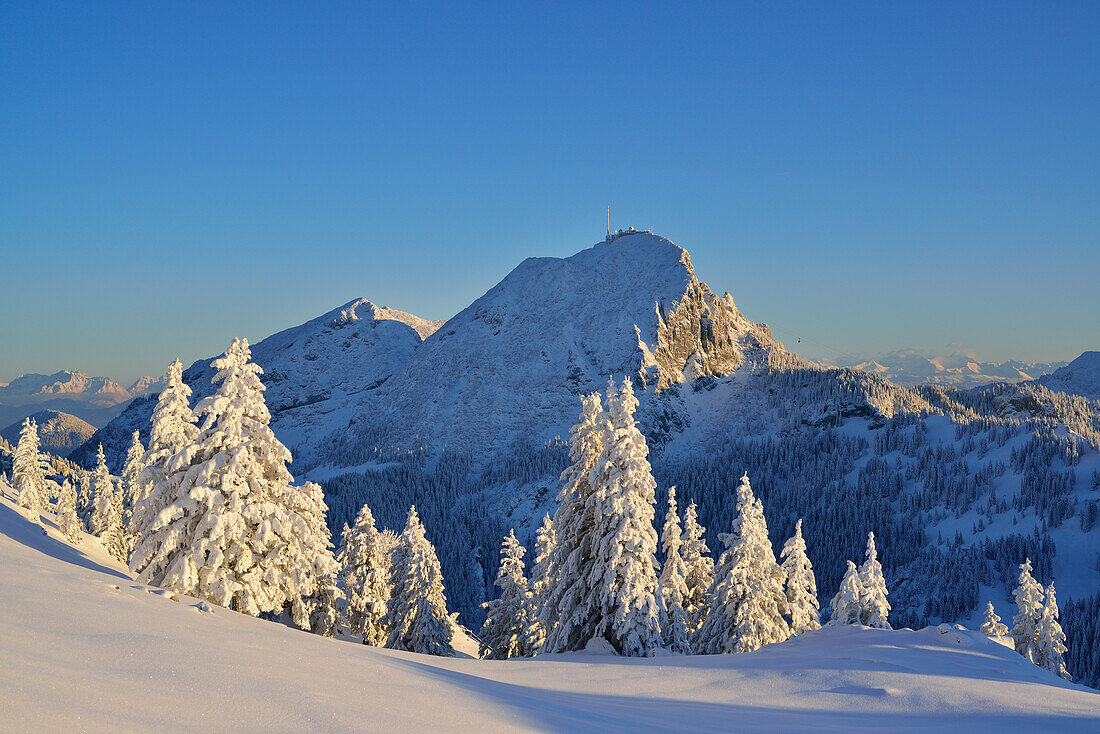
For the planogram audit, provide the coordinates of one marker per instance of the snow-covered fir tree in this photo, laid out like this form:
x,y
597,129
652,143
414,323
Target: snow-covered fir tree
x,y
29,467
131,470
105,521
365,570
676,624
1050,639
67,520
625,606
171,430
1029,610
305,559
511,626
991,624
564,604
236,533
417,614
747,600
700,567
324,614
801,584
876,609
847,604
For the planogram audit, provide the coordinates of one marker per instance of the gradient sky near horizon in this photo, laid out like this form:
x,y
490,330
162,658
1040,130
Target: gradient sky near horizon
x,y
865,176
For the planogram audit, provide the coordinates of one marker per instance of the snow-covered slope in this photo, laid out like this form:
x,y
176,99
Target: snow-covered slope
x,y
58,433
86,648
1079,377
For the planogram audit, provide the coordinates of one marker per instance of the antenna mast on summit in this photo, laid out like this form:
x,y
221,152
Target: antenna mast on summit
x,y
608,220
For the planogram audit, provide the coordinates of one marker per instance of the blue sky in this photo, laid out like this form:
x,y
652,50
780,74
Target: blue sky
x,y
867,176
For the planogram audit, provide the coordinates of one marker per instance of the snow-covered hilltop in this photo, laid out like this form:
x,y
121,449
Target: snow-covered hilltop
x,y
1079,377
59,433
511,365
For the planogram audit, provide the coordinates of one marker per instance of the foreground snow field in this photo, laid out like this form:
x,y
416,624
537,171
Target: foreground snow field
x,y
86,648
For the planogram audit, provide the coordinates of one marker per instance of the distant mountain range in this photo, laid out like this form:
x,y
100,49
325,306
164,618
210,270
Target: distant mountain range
x,y
95,400
963,370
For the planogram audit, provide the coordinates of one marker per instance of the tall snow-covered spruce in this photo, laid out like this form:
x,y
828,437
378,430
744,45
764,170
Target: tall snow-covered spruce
x,y
565,604
235,531
1029,610
674,589
172,429
28,475
106,518
1050,639
801,584
511,628
700,567
365,569
626,610
876,609
131,470
417,614
747,600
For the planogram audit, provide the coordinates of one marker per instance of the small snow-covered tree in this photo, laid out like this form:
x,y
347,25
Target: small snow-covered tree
x,y
511,629
541,572
106,518
1029,610
700,568
676,625
171,430
847,604
131,470
624,608
991,624
324,614
876,609
801,584
365,569
565,600
67,520
1051,640
235,531
29,471
747,601
417,614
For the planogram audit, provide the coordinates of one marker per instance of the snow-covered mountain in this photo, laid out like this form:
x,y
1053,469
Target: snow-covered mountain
x,y
58,433
318,375
958,369
1079,377
959,485
87,648
96,400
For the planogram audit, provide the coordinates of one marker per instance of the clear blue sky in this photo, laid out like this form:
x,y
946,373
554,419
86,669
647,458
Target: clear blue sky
x,y
868,176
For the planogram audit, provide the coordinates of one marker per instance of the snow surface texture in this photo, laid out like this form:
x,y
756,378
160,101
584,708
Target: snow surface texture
x,y
1079,377
86,648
